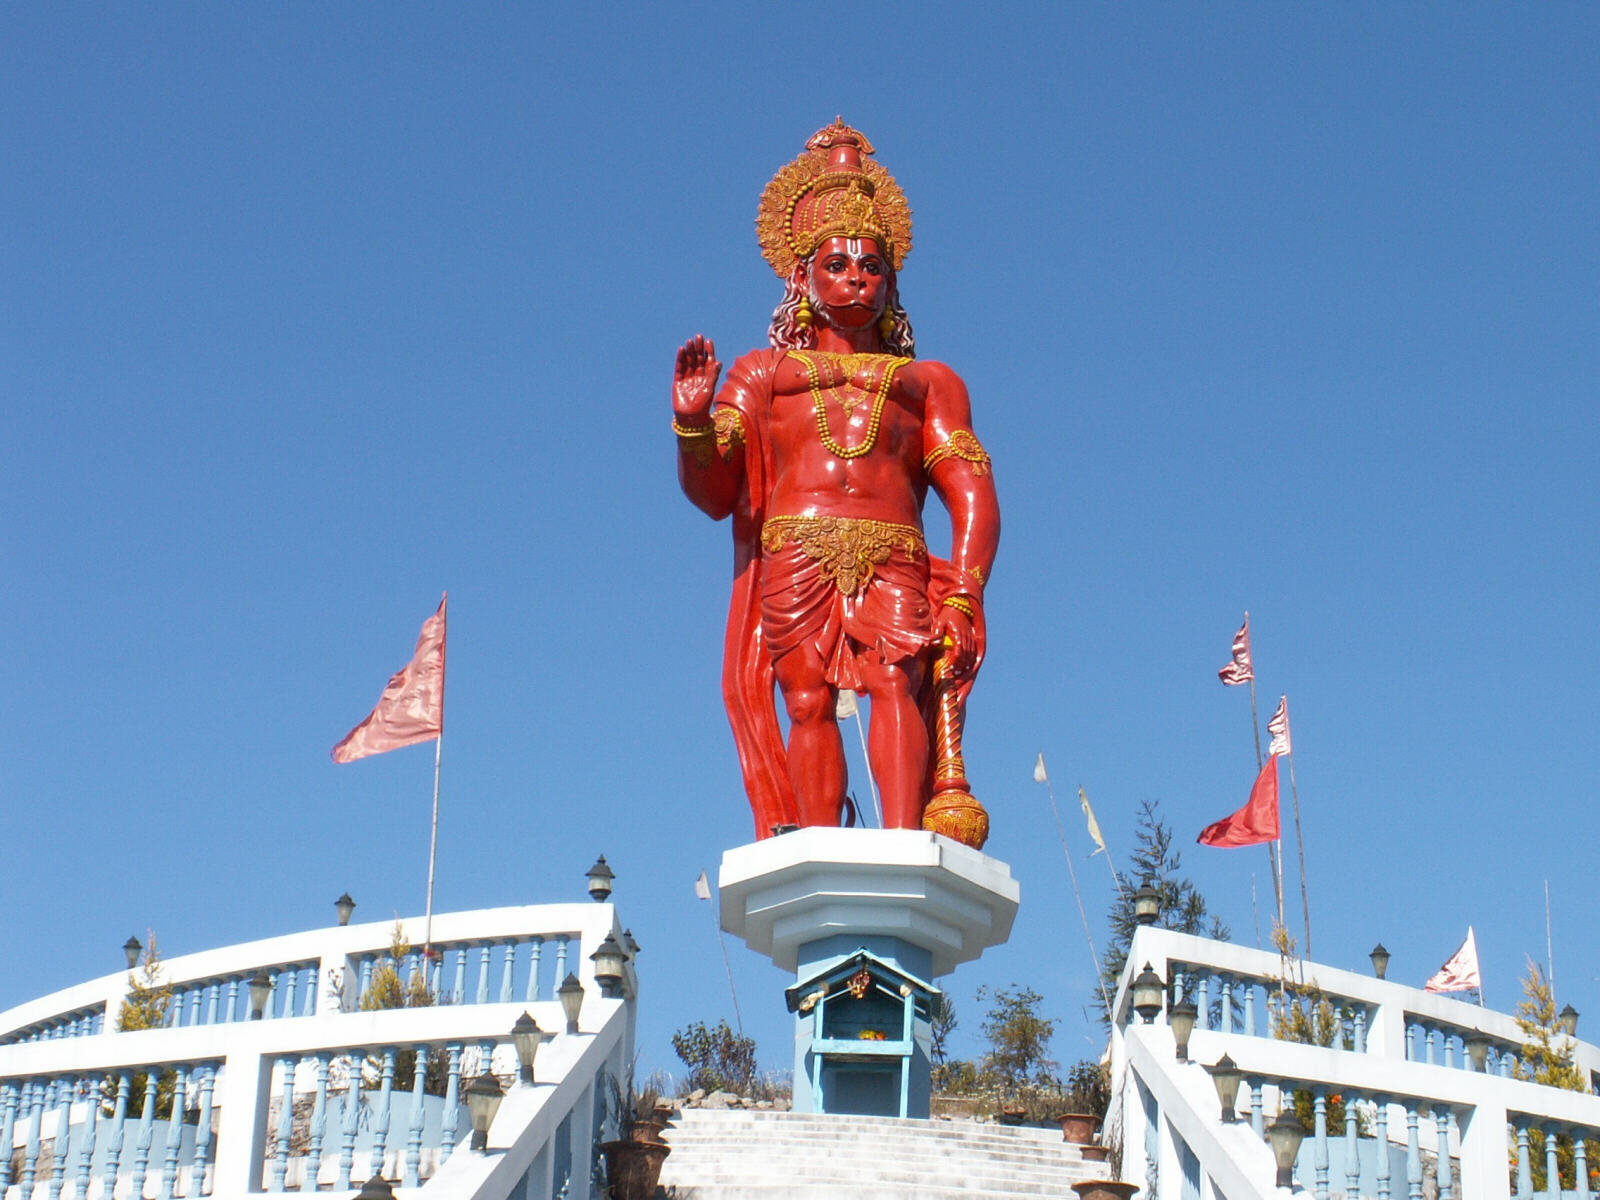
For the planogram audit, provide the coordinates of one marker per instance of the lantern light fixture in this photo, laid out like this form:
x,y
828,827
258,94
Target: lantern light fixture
x,y
525,1035
1182,1016
1285,1135
344,906
1380,960
1477,1043
1147,993
484,1095
1225,1077
570,994
1147,903
260,990
600,877
131,949
608,959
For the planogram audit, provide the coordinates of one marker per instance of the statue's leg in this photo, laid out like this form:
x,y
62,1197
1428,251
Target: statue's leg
x,y
897,741
816,753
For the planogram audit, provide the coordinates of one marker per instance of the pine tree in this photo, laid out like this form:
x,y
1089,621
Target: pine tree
x,y
1546,1057
1182,906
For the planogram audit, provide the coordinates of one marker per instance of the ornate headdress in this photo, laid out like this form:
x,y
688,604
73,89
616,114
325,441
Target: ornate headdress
x,y
831,191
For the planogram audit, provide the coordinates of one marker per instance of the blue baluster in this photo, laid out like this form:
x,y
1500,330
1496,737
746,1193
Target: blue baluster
x,y
366,977
285,1130
414,1130
197,995
119,1129
436,973
230,1007
180,1098
1508,1064
1319,1146
1441,1120
1352,1146
562,941
459,992
1524,1164
30,1155
1449,1039
1552,1169
1202,1000
1227,1004
507,970
202,1134
86,1140
452,1098
1429,1033
319,1125
8,1131
1250,1007
350,1119
380,1118
145,1135
1411,1042
63,1144
1580,1158
1258,1120
485,1057
1361,1029
313,976
535,945
1413,1153
1382,1139
410,971
483,974
290,977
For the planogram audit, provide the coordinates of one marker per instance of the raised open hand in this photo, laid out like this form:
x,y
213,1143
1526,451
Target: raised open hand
x,y
694,379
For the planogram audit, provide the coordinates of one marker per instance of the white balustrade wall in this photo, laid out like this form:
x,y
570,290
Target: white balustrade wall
x,y
316,1094
1420,1121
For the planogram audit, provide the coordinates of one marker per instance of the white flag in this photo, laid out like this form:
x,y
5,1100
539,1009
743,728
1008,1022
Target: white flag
x,y
845,706
1038,770
702,889
1094,826
1460,972
1278,727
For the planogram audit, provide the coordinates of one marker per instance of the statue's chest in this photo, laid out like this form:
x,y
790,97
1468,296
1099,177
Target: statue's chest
x,y
848,402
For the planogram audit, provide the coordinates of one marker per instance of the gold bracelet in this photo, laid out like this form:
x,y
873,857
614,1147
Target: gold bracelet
x,y
963,605
692,431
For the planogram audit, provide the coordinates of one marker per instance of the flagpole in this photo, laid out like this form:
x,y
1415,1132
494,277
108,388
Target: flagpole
x,y
861,730
716,919
433,848
1072,874
1275,847
1300,845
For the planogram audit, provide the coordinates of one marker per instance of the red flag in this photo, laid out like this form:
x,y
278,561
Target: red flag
x,y
411,709
1239,669
1256,822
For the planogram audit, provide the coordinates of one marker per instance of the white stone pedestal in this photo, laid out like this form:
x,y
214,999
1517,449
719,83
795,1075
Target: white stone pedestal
x,y
920,901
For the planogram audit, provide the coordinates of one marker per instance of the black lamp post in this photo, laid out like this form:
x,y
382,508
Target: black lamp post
x,y
483,1101
600,877
571,995
1380,960
1225,1077
260,989
1147,992
1285,1135
1477,1043
525,1034
1182,1016
344,906
131,949
376,1188
1569,1021
1146,904
608,959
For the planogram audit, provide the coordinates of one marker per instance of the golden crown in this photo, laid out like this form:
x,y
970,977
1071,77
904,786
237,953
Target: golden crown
x,y
832,190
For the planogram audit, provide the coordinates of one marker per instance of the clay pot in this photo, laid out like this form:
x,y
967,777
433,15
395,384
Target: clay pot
x,y
634,1168
1096,1154
648,1131
1105,1189
1078,1127
1013,1114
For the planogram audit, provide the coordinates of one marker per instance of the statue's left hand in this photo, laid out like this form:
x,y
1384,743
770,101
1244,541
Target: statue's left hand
x,y
694,379
957,627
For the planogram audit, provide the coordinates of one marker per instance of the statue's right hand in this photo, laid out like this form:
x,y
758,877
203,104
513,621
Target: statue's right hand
x,y
694,380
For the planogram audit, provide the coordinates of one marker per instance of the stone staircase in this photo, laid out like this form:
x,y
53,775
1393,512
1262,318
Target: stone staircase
x,y
745,1155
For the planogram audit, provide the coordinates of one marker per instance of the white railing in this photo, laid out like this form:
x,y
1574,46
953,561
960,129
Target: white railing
x,y
1419,1116
219,1104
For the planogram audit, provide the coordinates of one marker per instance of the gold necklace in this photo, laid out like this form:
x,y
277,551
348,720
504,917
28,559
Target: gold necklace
x,y
819,402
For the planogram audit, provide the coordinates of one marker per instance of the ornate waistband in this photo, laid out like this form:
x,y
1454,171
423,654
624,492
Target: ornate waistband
x,y
845,548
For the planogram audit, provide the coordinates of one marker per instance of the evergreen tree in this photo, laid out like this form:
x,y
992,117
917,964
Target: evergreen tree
x,y
1183,908
1019,1039
1546,1057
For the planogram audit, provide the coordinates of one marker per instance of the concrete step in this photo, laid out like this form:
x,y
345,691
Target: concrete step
x,y
760,1155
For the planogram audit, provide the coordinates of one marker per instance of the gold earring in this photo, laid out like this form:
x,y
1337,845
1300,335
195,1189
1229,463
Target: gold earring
x,y
886,324
802,314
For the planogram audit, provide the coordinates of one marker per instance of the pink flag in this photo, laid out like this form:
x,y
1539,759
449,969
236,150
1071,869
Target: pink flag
x,y
1460,973
1256,822
1238,669
1278,727
411,709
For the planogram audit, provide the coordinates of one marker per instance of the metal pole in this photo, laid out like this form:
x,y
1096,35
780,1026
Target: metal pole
x,y
1094,954
1300,843
433,847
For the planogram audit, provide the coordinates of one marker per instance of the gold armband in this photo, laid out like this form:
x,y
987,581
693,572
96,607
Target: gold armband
x,y
729,426
692,431
962,604
962,444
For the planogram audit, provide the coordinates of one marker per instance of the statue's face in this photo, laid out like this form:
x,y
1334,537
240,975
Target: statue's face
x,y
850,281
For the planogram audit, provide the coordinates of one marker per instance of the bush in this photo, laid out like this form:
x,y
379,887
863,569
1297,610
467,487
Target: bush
x,y
718,1059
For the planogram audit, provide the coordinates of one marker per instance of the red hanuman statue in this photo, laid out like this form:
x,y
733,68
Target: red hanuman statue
x,y
822,449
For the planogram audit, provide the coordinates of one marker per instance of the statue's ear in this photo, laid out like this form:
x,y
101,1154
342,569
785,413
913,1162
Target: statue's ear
x,y
800,277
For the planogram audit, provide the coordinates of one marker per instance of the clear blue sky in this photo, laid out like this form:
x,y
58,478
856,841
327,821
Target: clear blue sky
x,y
308,312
